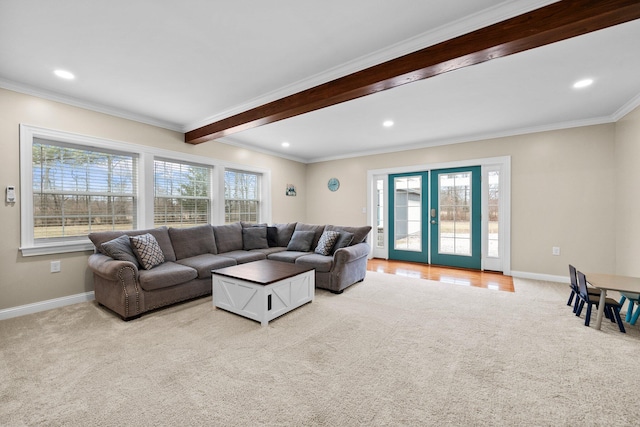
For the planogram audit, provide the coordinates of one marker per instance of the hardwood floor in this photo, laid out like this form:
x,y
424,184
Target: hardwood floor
x,y
455,276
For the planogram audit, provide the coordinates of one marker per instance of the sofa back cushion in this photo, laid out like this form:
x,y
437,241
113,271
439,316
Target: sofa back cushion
x,y
161,234
317,230
360,234
192,241
228,237
285,231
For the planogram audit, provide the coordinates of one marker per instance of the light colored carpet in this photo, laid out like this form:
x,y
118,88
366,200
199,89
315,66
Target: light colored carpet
x,y
388,351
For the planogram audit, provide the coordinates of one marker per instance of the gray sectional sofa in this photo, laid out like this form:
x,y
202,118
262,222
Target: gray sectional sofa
x,y
134,273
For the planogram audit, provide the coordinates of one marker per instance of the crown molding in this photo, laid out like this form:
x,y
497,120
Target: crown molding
x,y
231,141
479,137
631,105
99,108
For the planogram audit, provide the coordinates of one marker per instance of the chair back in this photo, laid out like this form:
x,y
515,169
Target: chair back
x,y
574,279
582,286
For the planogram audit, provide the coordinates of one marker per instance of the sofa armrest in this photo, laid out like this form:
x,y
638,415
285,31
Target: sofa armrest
x,y
351,253
111,269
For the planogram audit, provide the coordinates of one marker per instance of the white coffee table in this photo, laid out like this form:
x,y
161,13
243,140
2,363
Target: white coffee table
x,y
263,290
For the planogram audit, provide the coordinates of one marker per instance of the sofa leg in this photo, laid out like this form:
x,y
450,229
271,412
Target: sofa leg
x,y
337,292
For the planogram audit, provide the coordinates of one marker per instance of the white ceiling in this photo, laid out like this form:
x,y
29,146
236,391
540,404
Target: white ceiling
x,y
184,64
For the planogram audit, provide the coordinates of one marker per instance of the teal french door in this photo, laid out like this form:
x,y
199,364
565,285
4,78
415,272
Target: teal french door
x,y
408,207
455,217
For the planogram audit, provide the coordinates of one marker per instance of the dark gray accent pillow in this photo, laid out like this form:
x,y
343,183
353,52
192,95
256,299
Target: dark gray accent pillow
x,y
254,238
272,236
343,241
120,249
301,241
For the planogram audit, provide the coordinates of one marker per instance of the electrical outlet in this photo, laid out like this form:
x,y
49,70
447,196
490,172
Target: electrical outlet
x,y
55,266
555,251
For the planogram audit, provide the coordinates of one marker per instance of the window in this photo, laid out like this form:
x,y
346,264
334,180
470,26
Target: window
x,y
241,196
493,235
77,190
72,185
182,194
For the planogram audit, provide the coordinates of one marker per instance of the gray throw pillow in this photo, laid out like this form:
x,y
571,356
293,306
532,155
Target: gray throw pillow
x,y
327,241
254,238
343,241
301,241
120,249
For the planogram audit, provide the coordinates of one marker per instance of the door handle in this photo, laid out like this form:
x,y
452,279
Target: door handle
x,y
433,221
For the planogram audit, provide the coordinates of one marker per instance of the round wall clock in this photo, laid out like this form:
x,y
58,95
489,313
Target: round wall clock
x,y
333,184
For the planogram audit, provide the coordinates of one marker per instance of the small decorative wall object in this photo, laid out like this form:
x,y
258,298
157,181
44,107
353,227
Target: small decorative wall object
x,y
291,190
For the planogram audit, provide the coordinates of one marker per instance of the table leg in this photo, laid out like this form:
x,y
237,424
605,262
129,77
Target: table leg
x,y
603,298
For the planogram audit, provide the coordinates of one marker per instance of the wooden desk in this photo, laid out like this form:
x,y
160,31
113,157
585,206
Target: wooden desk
x,y
611,282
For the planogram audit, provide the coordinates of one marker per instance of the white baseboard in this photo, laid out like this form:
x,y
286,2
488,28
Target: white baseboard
x,y
538,276
37,307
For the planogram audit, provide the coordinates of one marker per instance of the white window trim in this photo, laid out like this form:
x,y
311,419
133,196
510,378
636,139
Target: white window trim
x,y
146,156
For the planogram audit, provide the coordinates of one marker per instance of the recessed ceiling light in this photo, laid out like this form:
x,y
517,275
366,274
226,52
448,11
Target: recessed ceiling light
x,y
583,83
64,74
387,123
285,144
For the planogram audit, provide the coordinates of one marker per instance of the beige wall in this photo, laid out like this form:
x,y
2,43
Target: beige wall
x,y
25,280
561,180
627,146
563,192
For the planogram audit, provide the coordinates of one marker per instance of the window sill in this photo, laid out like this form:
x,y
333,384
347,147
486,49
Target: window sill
x,y
56,248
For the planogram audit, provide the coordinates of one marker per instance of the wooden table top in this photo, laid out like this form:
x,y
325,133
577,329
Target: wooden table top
x,y
263,272
614,282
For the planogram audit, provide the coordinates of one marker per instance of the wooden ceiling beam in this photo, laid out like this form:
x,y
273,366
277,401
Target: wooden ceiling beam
x,y
555,22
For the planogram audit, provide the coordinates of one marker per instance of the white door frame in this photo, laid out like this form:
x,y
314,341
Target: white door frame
x,y
503,164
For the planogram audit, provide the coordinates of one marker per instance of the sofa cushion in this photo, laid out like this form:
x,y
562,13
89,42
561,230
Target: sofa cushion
x,y
284,233
161,234
326,242
204,263
317,229
321,263
286,256
268,251
192,241
120,249
242,256
147,251
254,238
344,239
301,241
228,237
359,233
165,275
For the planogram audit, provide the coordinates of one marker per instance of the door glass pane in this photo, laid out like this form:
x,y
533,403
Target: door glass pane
x,y
380,213
455,213
494,214
408,213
